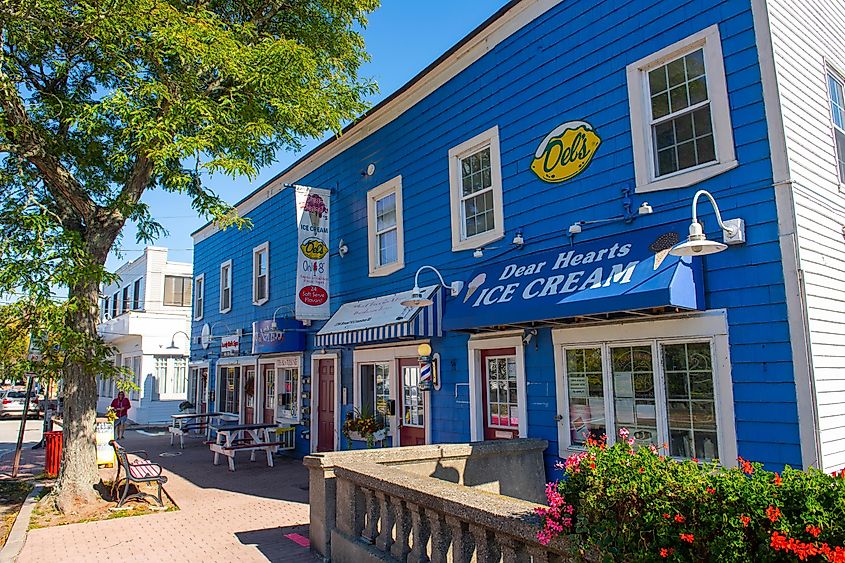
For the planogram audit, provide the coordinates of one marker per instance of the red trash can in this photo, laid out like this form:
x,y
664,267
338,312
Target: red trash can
x,y
54,452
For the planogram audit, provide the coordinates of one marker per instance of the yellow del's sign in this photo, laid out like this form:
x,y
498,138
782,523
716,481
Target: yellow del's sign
x,y
565,152
314,248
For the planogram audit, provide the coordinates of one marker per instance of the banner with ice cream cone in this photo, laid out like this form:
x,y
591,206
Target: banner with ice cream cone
x,y
312,265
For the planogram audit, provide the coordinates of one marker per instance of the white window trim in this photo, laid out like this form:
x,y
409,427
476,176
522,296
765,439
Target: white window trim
x,y
640,109
476,380
489,138
231,297
170,373
314,379
712,326
199,296
271,361
393,185
832,70
391,355
265,248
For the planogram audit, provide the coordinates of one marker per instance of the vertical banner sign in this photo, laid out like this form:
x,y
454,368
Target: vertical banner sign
x,y
312,274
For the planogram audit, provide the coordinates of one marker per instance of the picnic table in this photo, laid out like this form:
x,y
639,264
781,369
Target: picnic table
x,y
244,437
186,423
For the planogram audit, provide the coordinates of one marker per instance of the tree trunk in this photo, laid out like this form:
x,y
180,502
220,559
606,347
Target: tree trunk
x,y
79,457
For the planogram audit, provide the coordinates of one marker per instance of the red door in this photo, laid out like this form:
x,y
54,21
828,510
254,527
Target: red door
x,y
325,406
203,390
499,394
249,394
268,372
412,415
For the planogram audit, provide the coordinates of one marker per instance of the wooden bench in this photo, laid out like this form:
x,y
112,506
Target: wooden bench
x,y
138,472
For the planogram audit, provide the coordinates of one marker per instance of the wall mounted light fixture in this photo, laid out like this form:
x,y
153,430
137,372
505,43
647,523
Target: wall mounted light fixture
x,y
697,243
417,300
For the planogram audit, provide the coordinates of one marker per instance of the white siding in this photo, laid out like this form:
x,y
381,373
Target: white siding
x,y
807,36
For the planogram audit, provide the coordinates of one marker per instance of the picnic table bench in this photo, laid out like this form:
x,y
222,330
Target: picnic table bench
x,y
244,437
138,472
189,422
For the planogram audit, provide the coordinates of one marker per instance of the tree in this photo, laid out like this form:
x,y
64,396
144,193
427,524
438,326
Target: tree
x,y
101,100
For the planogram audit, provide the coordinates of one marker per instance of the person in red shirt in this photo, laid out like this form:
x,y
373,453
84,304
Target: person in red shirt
x,y
121,407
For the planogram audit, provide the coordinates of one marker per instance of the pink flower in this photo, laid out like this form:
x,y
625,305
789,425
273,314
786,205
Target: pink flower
x,y
624,433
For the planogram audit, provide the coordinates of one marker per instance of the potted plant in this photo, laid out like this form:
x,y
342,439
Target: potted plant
x,y
365,425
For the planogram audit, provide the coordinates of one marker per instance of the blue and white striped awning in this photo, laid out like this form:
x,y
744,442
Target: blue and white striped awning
x,y
383,318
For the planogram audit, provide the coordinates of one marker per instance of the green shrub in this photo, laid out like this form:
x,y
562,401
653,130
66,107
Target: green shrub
x,y
621,504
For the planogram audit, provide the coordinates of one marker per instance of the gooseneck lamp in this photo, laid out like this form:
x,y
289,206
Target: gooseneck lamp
x,y
697,243
417,300
173,339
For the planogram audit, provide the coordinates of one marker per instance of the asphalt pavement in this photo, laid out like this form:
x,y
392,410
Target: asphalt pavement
x,y
9,428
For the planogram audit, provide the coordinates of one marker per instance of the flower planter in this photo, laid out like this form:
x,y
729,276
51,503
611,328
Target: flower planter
x,y
378,436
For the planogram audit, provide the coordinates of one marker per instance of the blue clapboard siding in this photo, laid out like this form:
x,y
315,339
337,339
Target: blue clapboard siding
x,y
568,64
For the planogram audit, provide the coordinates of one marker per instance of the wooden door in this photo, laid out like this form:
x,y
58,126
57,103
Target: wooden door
x,y
202,390
325,406
268,373
499,394
412,432
249,394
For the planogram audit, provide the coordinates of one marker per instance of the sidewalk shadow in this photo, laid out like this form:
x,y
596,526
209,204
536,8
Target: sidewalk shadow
x,y
281,544
287,480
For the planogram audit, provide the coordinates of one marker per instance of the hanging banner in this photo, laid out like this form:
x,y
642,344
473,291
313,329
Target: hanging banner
x,y
312,276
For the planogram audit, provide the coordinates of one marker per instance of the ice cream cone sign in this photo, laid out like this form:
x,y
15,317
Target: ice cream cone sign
x,y
662,245
473,286
315,207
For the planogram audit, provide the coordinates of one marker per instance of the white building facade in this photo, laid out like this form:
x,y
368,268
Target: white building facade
x,y
141,314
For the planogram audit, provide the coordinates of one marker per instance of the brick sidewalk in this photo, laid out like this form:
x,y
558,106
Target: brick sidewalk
x,y
223,516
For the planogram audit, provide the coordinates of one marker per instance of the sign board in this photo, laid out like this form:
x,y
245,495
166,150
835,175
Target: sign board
x,y
312,264
104,431
287,362
624,272
288,336
375,312
205,336
230,345
565,152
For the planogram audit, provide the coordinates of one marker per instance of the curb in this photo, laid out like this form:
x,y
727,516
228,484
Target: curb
x,y
17,535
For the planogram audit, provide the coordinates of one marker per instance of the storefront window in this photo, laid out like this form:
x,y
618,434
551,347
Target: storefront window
x,y
375,387
230,380
502,399
633,393
671,400
585,385
691,400
288,393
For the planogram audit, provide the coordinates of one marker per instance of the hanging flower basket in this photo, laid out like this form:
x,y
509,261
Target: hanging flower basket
x,y
365,426
376,436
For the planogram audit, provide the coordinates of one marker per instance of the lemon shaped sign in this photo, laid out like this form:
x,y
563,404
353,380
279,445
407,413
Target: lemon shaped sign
x,y
314,248
565,152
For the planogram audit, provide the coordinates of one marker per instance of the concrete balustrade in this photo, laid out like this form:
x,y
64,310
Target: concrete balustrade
x,y
394,504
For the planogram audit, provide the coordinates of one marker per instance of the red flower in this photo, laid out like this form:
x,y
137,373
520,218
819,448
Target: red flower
x,y
666,552
746,466
695,459
813,530
666,516
778,480
680,519
689,538
773,513
745,520
711,490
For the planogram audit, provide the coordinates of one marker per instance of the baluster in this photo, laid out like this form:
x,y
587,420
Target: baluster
x,y
421,530
513,551
385,538
486,550
401,547
463,544
350,508
441,537
538,554
370,528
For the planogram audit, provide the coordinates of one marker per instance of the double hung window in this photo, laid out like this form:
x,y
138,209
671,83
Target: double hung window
x,y
226,286
475,177
836,87
126,301
384,226
199,296
136,295
680,116
260,274
177,291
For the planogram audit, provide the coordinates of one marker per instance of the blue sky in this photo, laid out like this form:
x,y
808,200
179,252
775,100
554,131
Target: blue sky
x,y
403,37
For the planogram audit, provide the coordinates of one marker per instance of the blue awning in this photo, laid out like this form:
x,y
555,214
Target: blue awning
x,y
626,272
383,318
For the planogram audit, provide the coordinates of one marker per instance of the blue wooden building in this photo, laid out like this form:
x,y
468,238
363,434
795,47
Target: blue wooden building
x,y
547,167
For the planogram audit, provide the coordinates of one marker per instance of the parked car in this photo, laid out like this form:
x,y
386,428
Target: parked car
x,y
12,402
